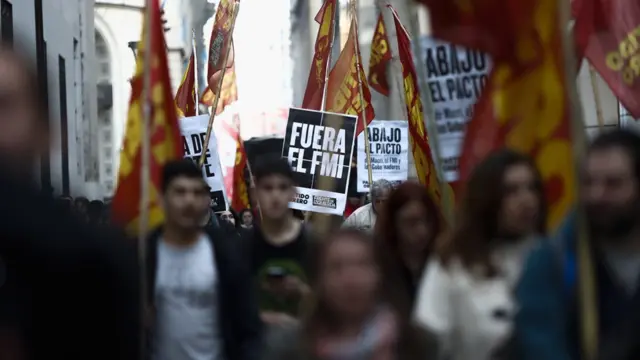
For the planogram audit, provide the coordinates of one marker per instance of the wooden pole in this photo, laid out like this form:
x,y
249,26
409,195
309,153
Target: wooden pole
x,y
145,175
195,71
323,103
596,97
205,145
588,301
365,131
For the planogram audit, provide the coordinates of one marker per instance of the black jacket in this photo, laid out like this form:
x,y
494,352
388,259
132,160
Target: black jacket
x,y
238,310
67,291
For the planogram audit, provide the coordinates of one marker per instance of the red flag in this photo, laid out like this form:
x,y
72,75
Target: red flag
x,y
343,88
607,32
219,43
234,180
166,142
524,105
186,94
418,139
318,71
380,57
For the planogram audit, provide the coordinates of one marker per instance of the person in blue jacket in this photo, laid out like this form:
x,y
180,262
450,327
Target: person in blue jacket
x,y
548,322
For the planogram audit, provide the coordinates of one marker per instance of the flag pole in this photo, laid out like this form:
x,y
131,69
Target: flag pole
x,y
145,173
596,97
367,149
323,103
195,71
205,145
587,287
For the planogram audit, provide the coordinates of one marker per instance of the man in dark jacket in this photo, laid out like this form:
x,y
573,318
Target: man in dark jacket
x,y
66,290
198,285
548,325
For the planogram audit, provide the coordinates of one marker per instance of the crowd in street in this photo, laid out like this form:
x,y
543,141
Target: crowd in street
x,y
392,281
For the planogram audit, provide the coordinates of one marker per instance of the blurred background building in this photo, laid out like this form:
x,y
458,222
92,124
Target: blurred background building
x,y
118,24
59,35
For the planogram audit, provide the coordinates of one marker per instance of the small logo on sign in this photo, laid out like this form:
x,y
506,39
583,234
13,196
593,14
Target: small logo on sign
x,y
325,201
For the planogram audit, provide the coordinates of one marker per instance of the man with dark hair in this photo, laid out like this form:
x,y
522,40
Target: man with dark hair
x,y
549,323
198,285
66,290
278,244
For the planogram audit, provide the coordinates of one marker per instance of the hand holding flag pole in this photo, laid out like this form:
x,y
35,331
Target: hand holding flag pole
x,y
227,51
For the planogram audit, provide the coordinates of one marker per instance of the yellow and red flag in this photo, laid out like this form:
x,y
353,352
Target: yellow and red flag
x,y
379,58
229,90
219,44
418,138
343,87
525,105
234,180
186,95
607,33
318,71
164,131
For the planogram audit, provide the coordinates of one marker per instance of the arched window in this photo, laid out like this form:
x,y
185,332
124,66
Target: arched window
x,y
105,122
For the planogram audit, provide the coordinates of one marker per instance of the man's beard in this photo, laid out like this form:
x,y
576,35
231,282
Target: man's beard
x,y
613,223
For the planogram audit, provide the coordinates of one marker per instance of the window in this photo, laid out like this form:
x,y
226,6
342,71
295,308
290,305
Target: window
x,y
64,130
6,14
108,170
107,150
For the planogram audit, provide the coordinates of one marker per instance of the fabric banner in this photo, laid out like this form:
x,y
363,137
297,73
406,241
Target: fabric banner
x,y
455,76
389,149
319,147
608,34
194,130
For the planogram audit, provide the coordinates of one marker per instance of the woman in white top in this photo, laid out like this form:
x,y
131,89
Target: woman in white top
x,y
465,295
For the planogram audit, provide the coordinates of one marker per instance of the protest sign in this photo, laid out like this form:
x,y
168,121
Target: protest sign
x,y
455,78
193,133
389,149
319,145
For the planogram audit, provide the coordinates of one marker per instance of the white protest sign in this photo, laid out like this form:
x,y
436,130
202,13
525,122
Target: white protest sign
x,y
319,145
194,130
389,149
455,77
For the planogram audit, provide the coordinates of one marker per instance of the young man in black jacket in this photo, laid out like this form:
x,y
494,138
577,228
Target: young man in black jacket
x,y
198,286
66,290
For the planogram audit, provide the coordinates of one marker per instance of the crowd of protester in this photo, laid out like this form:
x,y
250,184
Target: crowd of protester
x,y
391,281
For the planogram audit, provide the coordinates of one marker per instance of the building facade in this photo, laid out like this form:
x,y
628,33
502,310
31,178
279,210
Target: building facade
x,y
59,35
118,25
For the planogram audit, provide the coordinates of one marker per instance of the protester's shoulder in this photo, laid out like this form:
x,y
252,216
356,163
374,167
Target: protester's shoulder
x,y
361,210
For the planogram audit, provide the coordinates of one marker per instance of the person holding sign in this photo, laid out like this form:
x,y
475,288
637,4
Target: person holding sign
x,y
277,246
365,217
